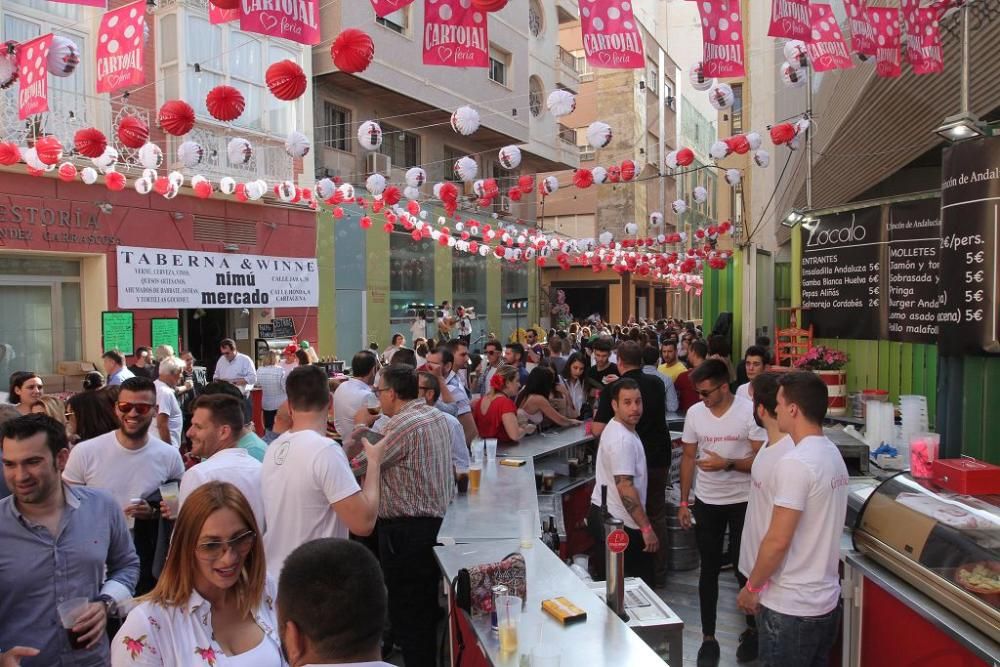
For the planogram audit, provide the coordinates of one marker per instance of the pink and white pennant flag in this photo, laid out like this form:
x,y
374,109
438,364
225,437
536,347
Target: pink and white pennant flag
x,y
120,48
827,49
455,34
885,21
791,19
385,7
924,47
862,31
217,15
33,75
611,37
722,36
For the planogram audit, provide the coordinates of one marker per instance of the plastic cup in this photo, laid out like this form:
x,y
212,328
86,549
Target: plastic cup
x,y
545,655
70,612
491,449
548,480
170,493
475,474
526,521
129,518
508,619
476,452
923,452
373,405
462,481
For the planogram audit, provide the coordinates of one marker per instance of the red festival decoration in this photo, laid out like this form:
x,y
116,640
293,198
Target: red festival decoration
x,y
67,172
583,178
628,170
115,181
782,133
48,149
722,37
827,49
489,5
352,51
862,32
203,189
176,117
924,48
452,35
738,144
132,132
685,157
790,19
526,183
10,153
33,94
286,80
885,21
225,103
385,7
295,21
90,142
391,196
611,37
120,48
226,4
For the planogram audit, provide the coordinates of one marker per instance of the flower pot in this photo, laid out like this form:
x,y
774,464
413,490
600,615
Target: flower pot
x,y
836,386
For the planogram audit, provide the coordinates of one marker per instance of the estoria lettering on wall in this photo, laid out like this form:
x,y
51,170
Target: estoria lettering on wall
x,y
155,278
28,223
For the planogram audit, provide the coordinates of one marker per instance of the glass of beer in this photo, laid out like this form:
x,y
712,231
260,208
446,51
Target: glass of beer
x,y
508,618
475,474
70,612
373,405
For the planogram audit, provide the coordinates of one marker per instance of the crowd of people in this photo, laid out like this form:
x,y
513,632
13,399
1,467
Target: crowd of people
x,y
188,538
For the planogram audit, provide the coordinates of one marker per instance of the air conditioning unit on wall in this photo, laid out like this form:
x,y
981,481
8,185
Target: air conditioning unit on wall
x,y
378,163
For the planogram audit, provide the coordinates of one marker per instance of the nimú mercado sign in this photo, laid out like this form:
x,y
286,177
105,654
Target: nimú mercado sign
x,y
158,278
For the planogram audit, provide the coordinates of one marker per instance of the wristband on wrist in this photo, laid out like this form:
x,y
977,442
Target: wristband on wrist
x,y
762,588
647,529
684,503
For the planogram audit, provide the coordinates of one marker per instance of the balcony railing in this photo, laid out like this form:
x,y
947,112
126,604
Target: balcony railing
x,y
567,134
568,59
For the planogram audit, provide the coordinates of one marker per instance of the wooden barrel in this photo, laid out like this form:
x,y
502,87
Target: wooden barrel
x,y
682,549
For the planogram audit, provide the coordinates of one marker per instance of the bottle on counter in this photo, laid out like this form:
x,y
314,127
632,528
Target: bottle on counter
x,y
552,534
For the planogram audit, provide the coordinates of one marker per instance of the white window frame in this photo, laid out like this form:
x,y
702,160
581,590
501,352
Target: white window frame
x,y
582,66
504,59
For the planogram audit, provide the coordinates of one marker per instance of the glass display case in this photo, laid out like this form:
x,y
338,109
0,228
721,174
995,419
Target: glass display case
x,y
943,543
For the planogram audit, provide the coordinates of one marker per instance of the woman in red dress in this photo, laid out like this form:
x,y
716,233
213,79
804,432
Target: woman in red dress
x,y
495,413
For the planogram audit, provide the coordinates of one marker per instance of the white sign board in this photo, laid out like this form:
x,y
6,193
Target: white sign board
x,y
159,278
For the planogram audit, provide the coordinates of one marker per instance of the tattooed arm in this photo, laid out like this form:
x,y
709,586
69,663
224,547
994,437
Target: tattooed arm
x,y
633,505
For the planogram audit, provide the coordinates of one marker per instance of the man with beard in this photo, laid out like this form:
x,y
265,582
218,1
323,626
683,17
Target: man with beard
x,y
130,464
59,542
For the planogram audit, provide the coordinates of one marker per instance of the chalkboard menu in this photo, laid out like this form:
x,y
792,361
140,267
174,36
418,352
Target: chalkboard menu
x,y
165,331
117,331
265,330
914,270
284,327
970,218
841,274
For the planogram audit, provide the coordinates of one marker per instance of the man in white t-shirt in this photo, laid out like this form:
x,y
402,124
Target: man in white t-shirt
x,y
308,487
621,467
765,396
720,440
794,585
353,395
216,426
757,360
169,418
129,463
235,367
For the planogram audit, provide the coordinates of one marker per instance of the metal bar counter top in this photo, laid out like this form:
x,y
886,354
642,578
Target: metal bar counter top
x,y
603,639
535,446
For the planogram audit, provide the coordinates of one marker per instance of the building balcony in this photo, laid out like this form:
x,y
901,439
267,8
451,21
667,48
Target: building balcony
x,y
567,74
567,11
567,134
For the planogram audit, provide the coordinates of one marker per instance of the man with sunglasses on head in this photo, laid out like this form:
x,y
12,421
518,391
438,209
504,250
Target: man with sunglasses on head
x,y
492,360
720,441
129,463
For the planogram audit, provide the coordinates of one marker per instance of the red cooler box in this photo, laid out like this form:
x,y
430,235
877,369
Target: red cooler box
x,y
968,476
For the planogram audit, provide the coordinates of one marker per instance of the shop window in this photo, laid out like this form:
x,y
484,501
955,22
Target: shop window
x,y
468,286
402,147
411,274
336,127
653,80
66,94
499,65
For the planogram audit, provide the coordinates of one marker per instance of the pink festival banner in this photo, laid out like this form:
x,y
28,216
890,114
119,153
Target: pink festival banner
x,y
294,20
216,15
722,36
885,21
385,7
924,49
862,32
33,75
791,19
455,34
827,49
119,48
103,4
611,37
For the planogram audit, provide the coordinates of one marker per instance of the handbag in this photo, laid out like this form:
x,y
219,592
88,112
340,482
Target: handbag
x,y
473,590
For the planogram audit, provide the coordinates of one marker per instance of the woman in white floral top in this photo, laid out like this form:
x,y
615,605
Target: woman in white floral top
x,y
213,605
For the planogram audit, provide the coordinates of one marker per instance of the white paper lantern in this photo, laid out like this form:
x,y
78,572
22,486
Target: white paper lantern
x,y
465,120
606,238
172,190
655,219
347,191
239,151
719,150
297,144
661,238
64,56
754,139
286,191
227,185
803,125
325,188
795,143
679,206
8,68
699,80
30,157
176,177
762,158
721,96
196,179
671,160
484,250
149,174
733,177
479,188
109,159
190,154
370,135
631,228
255,190
466,169
599,134
793,77
411,192
600,175
375,184
437,190
550,184
700,194
796,53
510,157
561,102
88,175
416,177
143,186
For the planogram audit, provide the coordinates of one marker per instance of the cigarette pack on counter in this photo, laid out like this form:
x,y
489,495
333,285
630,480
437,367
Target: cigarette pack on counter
x,y
563,610
513,463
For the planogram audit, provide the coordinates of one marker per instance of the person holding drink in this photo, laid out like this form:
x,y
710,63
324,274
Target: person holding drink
x,y
59,542
496,413
430,390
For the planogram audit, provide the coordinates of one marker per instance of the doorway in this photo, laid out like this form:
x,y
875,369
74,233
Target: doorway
x,y
203,331
585,301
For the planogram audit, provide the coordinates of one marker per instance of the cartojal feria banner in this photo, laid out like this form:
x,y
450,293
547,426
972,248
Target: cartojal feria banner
x,y
157,278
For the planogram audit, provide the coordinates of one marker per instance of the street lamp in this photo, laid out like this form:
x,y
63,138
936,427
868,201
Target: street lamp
x,y
965,124
794,217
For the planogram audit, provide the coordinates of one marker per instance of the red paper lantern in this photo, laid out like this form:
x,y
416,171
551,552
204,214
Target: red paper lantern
x,y
338,212
388,227
448,193
241,192
161,185
377,206
225,103
490,188
365,222
514,194
203,189
583,178
685,156
413,207
489,5
352,51
782,133
226,4
67,172
10,153
614,174
90,142
739,144
49,150
176,117
628,170
132,132
415,235
286,80
526,183
114,181
391,196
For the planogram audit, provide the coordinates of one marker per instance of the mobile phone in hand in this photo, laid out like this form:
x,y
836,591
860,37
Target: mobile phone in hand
x,y
372,436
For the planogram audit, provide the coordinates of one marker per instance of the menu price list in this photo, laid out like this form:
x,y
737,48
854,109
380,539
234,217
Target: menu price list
x,y
841,274
914,270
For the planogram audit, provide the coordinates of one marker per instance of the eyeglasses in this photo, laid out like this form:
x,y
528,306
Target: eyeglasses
x,y
377,391
425,388
141,408
706,393
214,550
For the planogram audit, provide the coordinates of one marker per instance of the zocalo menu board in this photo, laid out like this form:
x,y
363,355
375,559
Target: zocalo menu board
x,y
968,316
914,271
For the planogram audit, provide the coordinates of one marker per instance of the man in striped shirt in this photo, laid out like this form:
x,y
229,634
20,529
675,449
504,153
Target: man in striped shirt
x,y
417,485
